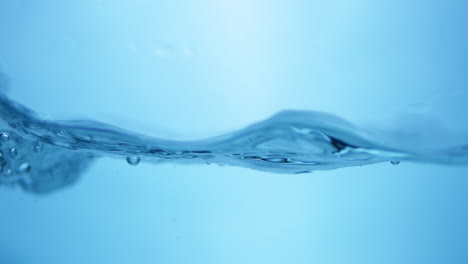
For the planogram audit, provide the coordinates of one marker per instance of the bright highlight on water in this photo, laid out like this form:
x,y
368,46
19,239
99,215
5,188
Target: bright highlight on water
x,y
42,156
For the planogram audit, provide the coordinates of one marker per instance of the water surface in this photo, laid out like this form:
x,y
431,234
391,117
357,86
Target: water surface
x,y
41,155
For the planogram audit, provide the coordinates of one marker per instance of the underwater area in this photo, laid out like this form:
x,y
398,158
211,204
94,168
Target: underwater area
x,y
203,131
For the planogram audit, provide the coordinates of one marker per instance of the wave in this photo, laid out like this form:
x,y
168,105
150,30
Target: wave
x,y
41,156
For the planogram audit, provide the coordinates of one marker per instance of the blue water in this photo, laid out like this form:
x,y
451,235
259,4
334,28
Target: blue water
x,y
237,132
42,156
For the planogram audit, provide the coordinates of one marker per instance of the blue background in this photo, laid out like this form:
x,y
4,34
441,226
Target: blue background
x,y
191,69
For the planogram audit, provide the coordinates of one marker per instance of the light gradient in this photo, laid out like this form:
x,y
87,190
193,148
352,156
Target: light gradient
x,y
190,69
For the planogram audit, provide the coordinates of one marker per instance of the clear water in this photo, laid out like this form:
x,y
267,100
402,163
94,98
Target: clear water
x,y
178,131
42,156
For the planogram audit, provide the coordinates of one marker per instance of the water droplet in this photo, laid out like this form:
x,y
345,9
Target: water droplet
x,y
13,152
394,162
133,160
5,136
24,167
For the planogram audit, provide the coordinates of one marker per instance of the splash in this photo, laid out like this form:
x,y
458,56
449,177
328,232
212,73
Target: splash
x,y
41,156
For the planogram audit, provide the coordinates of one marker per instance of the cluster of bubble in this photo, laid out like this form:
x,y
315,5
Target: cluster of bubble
x,y
13,168
35,166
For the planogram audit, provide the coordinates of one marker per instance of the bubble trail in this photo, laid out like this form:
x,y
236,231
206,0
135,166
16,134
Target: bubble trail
x,y
42,156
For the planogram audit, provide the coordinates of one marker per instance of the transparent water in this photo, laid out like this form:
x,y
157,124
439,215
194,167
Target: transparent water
x,y
179,131
41,156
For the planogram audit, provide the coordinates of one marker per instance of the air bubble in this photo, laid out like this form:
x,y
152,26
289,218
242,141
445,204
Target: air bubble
x,y
395,162
4,136
24,167
13,153
38,147
87,138
133,160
